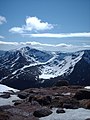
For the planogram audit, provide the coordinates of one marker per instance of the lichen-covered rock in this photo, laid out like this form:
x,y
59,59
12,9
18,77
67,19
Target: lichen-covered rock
x,y
17,102
5,95
60,110
23,95
42,112
71,104
82,94
4,115
42,100
67,106
88,105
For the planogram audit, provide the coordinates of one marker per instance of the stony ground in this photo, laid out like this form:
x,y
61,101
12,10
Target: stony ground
x,y
37,102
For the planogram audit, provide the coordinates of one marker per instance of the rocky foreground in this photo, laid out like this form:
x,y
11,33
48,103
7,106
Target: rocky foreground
x,y
35,103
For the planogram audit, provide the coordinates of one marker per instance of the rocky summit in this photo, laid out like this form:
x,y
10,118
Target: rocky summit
x,y
28,67
35,103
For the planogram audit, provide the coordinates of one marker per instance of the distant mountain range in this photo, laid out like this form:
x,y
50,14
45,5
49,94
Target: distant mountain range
x,y
28,67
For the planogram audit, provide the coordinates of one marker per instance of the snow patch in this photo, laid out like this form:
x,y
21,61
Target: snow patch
x,y
46,76
59,65
4,88
87,87
15,72
66,93
9,100
71,114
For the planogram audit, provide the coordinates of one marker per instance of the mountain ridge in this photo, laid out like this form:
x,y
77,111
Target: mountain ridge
x,y
34,68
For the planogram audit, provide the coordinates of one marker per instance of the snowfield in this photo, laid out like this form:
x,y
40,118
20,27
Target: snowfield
x,y
58,65
87,87
71,114
4,88
3,101
8,101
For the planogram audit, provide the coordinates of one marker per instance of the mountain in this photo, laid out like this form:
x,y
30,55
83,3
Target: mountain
x,y
81,73
28,67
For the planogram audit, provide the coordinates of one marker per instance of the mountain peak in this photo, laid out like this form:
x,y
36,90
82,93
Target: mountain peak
x,y
34,67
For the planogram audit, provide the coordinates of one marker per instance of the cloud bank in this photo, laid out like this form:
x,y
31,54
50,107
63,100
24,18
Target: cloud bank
x,y
61,35
2,20
32,24
49,47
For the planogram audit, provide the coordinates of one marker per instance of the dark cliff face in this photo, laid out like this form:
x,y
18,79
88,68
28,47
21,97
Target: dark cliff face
x,y
21,68
80,74
29,78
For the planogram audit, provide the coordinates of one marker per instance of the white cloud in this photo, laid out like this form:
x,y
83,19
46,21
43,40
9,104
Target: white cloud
x,y
16,30
8,43
61,35
1,37
49,47
32,24
64,45
2,20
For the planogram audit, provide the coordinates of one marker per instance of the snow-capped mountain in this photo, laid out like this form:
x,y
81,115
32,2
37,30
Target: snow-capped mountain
x,y
28,67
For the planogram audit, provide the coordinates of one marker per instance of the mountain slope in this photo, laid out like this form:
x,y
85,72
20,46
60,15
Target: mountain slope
x,y
81,73
28,67
62,63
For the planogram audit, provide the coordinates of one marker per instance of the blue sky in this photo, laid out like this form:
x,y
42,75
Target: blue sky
x,y
53,22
